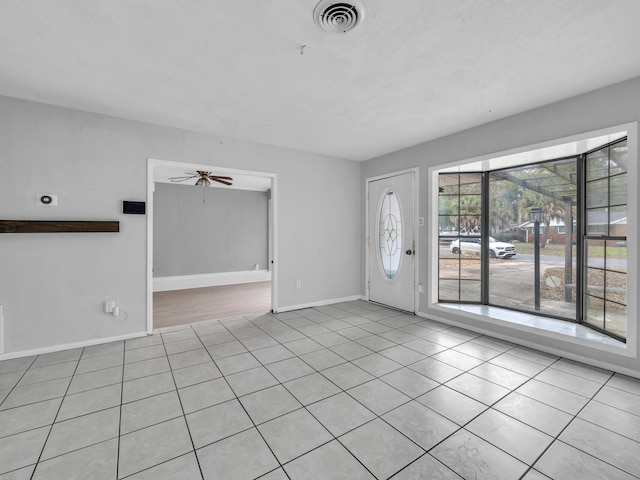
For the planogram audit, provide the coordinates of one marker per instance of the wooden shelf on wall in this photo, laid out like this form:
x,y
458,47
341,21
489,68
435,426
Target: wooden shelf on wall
x,y
57,226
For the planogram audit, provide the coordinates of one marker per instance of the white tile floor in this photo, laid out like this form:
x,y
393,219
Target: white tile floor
x,y
348,391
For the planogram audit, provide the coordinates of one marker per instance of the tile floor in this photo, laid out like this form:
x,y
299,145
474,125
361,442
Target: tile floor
x,y
348,391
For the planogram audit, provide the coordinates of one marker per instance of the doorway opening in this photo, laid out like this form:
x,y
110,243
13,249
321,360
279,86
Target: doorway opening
x,y
211,246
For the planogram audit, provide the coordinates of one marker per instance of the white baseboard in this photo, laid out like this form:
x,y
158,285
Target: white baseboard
x,y
320,303
69,346
181,282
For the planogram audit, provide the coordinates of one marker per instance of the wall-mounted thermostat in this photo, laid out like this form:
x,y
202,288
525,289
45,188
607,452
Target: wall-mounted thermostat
x,y
47,199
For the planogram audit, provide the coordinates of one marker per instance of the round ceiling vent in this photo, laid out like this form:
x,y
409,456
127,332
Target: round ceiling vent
x,y
338,17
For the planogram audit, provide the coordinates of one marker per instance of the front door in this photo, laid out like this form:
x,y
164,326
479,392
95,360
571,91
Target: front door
x,y
392,241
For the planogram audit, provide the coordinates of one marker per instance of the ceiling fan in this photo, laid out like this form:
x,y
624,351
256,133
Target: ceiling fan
x,y
204,179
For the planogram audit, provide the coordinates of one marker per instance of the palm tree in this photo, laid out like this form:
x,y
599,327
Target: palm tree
x,y
553,209
470,212
503,196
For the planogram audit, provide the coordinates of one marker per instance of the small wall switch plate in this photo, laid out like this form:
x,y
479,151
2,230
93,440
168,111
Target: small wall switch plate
x,y
109,305
421,221
298,284
47,199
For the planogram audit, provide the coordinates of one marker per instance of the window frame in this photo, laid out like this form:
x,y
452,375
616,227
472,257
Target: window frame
x,y
571,146
605,237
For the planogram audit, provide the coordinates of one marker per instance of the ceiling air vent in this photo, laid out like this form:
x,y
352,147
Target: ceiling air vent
x,y
338,17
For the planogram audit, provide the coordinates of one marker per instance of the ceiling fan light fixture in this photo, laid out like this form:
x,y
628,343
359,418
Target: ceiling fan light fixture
x,y
204,179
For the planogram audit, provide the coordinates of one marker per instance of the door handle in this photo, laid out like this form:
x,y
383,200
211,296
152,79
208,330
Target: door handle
x,y
409,252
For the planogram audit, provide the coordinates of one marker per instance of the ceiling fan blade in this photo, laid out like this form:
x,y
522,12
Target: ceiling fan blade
x,y
218,179
181,179
222,178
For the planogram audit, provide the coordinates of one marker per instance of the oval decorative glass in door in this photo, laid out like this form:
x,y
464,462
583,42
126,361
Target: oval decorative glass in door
x,y
390,234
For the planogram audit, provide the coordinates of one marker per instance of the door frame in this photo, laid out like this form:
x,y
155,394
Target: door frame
x,y
414,224
272,239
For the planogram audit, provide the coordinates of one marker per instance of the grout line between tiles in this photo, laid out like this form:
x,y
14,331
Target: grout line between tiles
x,y
557,437
244,409
184,415
44,445
124,353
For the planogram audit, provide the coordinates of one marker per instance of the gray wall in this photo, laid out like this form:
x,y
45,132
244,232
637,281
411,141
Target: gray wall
x,y
227,232
614,105
52,285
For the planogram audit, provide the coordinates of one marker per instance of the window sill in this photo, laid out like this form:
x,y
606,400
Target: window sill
x,y
548,327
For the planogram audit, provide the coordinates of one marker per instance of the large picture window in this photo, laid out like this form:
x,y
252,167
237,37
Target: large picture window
x,y
547,238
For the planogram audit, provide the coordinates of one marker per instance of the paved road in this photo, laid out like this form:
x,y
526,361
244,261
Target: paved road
x,y
556,260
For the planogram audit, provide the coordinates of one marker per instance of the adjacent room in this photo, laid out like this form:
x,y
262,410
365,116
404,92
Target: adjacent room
x,y
210,245
314,239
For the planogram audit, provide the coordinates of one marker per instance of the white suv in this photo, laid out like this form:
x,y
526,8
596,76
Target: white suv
x,y
472,244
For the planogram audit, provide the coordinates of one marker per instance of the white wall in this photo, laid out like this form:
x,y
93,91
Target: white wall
x,y
52,285
615,105
208,231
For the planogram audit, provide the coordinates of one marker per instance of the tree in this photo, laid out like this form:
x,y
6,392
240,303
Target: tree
x,y
470,212
503,205
459,213
553,209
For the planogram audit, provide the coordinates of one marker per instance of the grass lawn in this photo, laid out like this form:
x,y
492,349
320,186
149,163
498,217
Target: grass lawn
x,y
558,250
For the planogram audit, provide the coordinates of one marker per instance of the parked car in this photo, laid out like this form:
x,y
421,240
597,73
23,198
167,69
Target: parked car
x,y
473,244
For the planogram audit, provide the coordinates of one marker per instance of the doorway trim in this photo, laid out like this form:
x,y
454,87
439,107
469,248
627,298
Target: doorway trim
x,y
152,164
415,225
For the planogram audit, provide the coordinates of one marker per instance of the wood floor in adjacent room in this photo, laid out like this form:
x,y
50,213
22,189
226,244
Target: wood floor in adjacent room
x,y
179,307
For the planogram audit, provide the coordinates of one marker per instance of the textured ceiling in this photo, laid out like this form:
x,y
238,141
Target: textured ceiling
x,y
413,71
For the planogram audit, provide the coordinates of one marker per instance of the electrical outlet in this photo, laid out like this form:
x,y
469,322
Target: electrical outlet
x,y
109,305
298,284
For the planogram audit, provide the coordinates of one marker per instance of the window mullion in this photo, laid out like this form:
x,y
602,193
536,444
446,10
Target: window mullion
x,y
580,235
484,238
